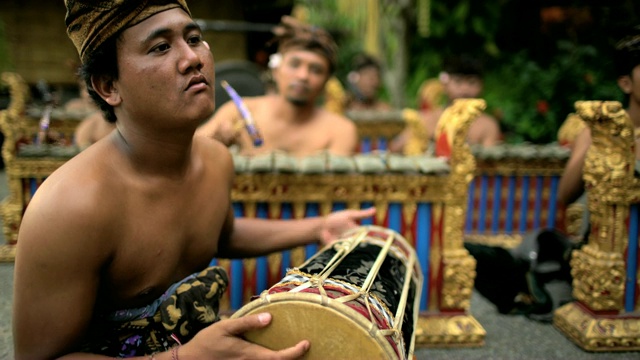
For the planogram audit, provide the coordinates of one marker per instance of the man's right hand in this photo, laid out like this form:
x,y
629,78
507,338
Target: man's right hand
x,y
223,340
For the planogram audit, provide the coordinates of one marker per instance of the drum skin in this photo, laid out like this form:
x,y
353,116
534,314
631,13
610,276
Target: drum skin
x,y
334,330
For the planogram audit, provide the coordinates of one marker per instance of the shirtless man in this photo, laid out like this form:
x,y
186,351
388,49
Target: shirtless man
x,y
290,120
123,224
461,78
364,85
91,129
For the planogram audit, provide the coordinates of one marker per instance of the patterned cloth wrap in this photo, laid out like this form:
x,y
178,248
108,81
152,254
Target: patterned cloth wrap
x,y
185,308
90,23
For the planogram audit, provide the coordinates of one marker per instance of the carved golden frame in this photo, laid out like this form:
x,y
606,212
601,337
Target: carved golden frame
x,y
597,320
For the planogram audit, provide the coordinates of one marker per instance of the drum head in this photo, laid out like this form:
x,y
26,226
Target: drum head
x,y
335,331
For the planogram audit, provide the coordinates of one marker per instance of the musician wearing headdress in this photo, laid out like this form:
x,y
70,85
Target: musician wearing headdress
x,y
114,247
290,120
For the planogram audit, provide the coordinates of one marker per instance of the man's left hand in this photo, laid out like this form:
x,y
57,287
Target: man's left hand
x,y
338,222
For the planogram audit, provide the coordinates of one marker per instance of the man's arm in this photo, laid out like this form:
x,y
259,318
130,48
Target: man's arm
x,y
257,237
57,272
222,126
397,144
491,135
345,138
571,184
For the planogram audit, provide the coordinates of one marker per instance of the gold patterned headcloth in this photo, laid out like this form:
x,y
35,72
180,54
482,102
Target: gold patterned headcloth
x,y
627,54
291,33
90,22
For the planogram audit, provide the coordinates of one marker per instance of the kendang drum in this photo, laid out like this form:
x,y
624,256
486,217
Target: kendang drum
x,y
357,298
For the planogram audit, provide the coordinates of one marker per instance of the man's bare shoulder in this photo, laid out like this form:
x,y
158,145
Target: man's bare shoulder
x,y
431,116
487,119
335,119
80,184
213,153
75,207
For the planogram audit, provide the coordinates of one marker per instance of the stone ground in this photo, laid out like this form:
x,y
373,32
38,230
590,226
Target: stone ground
x,y
508,337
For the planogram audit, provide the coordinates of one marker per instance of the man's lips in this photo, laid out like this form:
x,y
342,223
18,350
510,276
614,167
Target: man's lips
x,y
299,87
197,82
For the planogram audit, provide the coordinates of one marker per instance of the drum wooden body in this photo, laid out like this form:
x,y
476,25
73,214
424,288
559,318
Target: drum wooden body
x,y
358,298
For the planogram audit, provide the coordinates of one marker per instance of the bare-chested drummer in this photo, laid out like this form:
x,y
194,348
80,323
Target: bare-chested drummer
x,y
290,120
113,250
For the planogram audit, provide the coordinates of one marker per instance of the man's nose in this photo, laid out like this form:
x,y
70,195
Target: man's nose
x,y
302,72
189,58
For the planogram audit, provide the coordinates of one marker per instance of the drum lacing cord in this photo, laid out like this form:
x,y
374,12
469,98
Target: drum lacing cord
x,y
399,318
343,248
366,286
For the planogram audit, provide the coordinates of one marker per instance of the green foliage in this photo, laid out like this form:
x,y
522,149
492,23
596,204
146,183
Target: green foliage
x,y
457,26
326,15
534,72
531,101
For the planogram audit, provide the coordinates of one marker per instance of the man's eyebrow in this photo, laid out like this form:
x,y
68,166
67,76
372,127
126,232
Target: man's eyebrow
x,y
166,31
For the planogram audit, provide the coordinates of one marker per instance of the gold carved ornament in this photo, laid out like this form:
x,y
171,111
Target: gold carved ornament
x,y
599,268
459,266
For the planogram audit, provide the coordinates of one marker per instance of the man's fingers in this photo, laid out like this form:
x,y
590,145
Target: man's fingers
x,y
295,352
246,323
364,213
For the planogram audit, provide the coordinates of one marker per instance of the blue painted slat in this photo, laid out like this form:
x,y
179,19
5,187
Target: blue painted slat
x,y
524,204
632,260
365,205
312,210
395,217
365,145
286,214
495,210
262,266
553,202
470,207
423,239
484,189
511,202
236,271
538,202
382,144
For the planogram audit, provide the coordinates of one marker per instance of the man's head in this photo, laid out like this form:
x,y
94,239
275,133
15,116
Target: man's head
x,y
462,77
627,63
365,77
142,39
307,60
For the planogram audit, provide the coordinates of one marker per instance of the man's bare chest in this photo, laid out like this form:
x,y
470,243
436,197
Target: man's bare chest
x,y
296,137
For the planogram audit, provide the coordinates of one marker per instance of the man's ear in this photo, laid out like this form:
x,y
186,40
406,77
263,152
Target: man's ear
x,y
624,82
106,88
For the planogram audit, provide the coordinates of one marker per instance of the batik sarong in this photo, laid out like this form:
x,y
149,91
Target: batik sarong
x,y
185,308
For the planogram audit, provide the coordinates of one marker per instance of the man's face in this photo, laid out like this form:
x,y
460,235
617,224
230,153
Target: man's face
x,y
165,71
635,85
368,81
301,76
458,86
